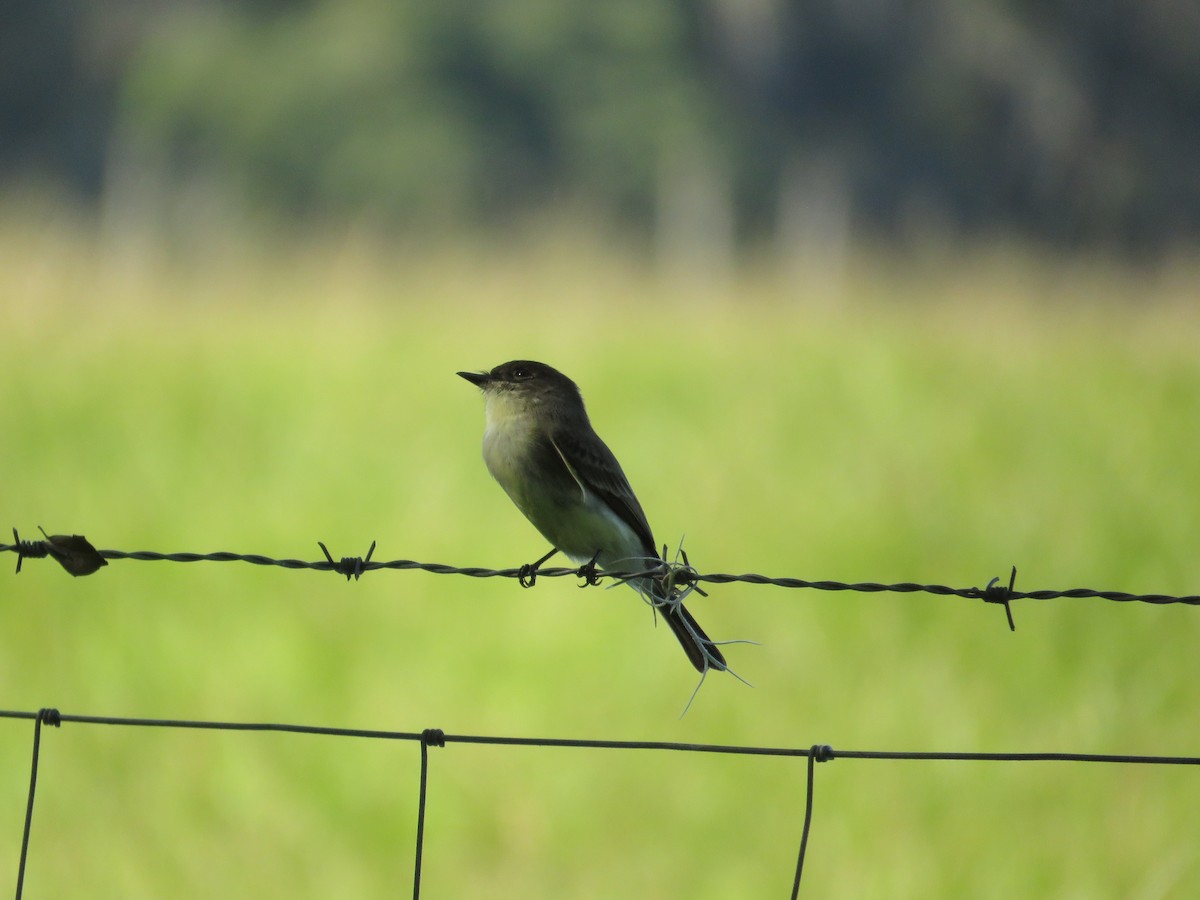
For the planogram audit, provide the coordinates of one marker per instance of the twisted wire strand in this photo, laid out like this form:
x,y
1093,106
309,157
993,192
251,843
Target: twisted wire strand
x,y
72,552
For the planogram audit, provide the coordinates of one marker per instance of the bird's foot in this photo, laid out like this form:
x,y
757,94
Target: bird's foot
x,y
527,574
589,573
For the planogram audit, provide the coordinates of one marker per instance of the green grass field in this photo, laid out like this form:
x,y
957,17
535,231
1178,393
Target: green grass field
x,y
913,422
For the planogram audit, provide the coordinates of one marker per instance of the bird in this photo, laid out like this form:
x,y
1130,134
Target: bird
x,y
540,446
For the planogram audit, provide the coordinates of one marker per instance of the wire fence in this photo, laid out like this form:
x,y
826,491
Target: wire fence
x,y
78,557
433,737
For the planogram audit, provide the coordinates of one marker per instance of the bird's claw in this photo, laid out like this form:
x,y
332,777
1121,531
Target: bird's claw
x,y
527,574
589,573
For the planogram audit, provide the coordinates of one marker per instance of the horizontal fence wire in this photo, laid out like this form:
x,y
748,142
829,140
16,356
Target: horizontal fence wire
x,y
78,557
434,737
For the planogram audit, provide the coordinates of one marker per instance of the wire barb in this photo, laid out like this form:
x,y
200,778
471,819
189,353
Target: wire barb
x,y
686,575
27,549
998,593
348,565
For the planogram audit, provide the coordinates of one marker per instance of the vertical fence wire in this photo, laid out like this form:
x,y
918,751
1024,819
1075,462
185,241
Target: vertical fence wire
x,y
50,717
437,738
818,753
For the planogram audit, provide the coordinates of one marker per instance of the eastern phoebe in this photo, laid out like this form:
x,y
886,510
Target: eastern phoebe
x,y
541,447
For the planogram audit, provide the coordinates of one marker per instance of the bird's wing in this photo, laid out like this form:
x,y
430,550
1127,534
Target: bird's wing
x,y
596,470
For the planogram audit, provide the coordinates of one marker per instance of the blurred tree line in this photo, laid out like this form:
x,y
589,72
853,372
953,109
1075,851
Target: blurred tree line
x,y
712,122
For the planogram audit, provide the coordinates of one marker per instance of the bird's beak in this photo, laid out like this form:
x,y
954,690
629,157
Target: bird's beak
x,y
479,379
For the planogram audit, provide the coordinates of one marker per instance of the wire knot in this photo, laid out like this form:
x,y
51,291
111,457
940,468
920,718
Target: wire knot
x,y
50,716
821,753
350,566
433,737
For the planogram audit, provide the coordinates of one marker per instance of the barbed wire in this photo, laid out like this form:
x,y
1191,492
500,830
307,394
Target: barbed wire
x,y
78,557
435,737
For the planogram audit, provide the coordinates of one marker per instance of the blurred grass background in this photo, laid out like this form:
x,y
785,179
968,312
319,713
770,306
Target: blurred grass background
x,y
927,420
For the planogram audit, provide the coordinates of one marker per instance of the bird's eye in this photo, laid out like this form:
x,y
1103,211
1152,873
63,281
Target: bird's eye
x,y
522,373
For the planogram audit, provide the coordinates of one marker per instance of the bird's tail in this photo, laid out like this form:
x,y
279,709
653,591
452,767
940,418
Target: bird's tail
x,y
700,650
